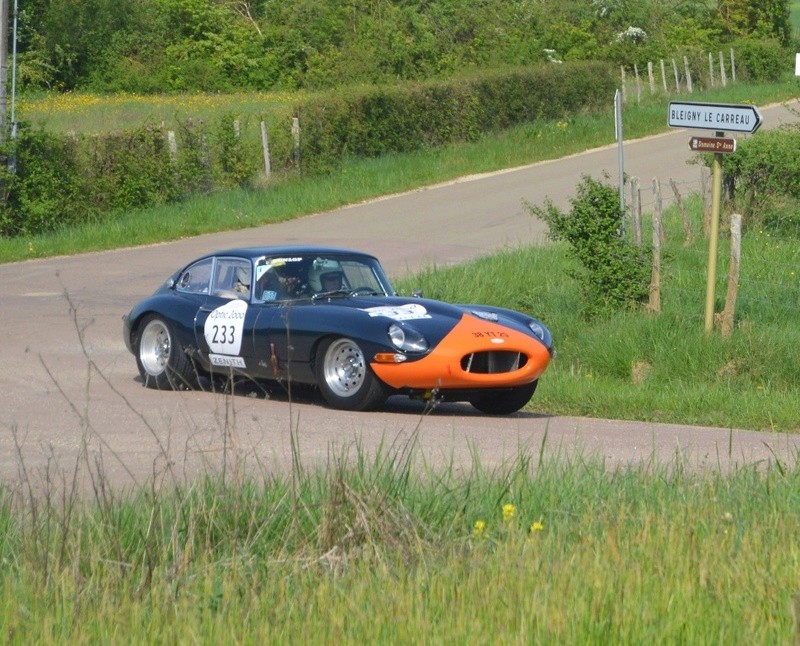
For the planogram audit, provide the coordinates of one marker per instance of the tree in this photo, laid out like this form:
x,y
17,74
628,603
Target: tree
x,y
760,18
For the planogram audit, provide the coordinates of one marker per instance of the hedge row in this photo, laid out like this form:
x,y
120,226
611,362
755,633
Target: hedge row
x,y
763,177
410,116
58,181
61,180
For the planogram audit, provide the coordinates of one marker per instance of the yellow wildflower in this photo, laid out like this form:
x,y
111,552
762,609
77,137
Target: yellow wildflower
x,y
478,529
536,527
508,512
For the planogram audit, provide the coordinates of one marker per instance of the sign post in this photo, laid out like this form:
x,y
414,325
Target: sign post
x,y
718,117
711,275
714,116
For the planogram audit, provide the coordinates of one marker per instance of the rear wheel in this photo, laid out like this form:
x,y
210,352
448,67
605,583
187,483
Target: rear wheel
x,y
504,402
344,377
162,363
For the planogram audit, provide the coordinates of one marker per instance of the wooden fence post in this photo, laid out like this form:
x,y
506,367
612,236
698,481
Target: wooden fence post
x,y
688,235
296,137
659,205
651,78
733,67
624,91
722,75
265,149
677,77
654,303
172,143
664,76
710,70
636,211
205,160
638,84
726,319
688,74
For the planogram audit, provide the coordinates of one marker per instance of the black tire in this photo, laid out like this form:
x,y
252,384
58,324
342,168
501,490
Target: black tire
x,y
162,364
506,401
344,377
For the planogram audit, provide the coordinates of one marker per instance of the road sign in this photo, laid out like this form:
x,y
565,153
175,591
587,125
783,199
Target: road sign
x,y
714,116
712,145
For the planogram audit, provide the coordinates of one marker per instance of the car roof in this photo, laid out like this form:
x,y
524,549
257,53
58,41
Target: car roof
x,y
285,250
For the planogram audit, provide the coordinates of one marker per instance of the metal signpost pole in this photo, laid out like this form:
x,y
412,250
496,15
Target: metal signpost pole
x,y
3,67
711,279
620,156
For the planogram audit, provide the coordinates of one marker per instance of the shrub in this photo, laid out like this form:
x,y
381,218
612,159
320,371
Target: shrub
x,y
765,172
66,180
761,60
375,120
615,271
47,190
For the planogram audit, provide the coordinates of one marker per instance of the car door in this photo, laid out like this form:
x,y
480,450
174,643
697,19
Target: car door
x,y
225,321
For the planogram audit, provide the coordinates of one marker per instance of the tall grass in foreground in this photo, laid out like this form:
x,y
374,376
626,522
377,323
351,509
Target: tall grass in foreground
x,y
380,550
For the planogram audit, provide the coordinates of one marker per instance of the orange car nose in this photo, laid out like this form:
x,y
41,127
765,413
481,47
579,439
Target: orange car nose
x,y
443,367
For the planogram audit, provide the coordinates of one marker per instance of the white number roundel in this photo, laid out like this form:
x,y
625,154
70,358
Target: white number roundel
x,y
224,327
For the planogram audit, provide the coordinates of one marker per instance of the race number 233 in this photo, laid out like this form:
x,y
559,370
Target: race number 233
x,y
223,327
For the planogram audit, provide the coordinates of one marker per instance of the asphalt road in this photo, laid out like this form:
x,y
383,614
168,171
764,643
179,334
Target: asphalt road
x,y
71,399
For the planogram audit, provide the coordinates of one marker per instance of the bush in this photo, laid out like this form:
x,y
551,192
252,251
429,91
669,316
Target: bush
x,y
615,272
761,61
377,120
764,173
47,190
68,180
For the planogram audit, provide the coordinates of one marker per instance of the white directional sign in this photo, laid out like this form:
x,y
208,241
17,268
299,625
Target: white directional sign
x,y
714,116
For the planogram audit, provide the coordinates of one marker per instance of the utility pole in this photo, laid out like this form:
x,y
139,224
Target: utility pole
x,y
3,68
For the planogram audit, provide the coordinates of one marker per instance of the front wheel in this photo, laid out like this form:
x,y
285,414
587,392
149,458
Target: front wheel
x,y
506,401
162,363
344,377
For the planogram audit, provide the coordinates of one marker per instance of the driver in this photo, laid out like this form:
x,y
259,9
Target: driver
x,y
281,282
331,281
291,281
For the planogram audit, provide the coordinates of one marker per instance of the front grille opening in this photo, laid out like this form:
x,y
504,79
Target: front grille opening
x,y
493,362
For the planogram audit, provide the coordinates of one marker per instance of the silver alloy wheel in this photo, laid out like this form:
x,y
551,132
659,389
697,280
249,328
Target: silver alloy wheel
x,y
344,368
155,346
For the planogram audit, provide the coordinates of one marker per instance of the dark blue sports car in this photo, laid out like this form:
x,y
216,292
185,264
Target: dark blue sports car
x,y
330,317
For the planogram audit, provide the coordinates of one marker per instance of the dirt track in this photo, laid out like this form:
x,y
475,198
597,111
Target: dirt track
x,y
54,408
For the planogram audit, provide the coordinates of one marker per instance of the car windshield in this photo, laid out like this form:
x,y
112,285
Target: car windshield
x,y
299,276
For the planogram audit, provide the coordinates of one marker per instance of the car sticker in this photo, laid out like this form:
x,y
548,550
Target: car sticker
x,y
265,264
226,362
406,312
486,316
224,326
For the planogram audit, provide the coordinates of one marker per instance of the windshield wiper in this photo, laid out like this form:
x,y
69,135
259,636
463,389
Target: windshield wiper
x,y
330,294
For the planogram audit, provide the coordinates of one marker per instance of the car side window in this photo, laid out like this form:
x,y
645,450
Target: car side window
x,y
195,278
232,278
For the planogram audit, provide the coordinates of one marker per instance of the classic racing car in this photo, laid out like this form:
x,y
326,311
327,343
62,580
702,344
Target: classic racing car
x,y
330,317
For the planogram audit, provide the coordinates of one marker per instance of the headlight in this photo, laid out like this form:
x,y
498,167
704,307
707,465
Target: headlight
x,y
541,333
407,339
